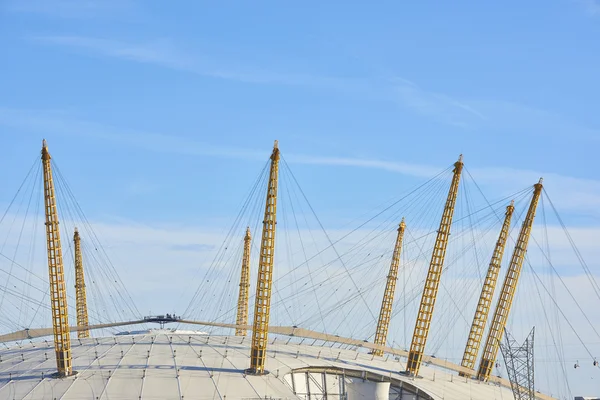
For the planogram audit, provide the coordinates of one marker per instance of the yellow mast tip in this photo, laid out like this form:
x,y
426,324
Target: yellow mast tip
x,y
402,223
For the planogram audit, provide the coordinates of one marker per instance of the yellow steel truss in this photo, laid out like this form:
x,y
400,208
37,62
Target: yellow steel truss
x,y
80,296
242,308
58,290
432,282
509,287
262,303
487,294
388,296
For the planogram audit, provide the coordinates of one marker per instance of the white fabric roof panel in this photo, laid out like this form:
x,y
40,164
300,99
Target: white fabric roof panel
x,y
167,365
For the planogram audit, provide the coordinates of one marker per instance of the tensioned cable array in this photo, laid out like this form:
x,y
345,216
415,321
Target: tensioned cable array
x,y
24,296
332,280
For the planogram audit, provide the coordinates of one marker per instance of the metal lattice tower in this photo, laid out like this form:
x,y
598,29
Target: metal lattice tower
x,y
432,282
262,303
520,365
509,287
388,296
242,309
80,296
58,289
487,295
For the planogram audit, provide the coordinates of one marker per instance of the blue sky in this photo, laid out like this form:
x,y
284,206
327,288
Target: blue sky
x,y
161,117
509,85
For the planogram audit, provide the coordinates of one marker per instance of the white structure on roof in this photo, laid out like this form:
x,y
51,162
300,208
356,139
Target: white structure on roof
x,y
166,365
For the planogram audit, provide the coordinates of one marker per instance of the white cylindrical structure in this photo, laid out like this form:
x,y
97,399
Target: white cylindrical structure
x,y
357,389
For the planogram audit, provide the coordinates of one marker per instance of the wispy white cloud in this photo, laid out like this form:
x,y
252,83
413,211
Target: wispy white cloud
x,y
474,114
520,120
70,8
58,123
164,53
436,105
569,193
141,187
417,170
592,7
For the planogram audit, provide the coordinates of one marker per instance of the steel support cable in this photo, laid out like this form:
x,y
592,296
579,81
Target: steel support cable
x,y
10,320
561,311
20,236
282,207
444,329
228,237
96,285
520,193
320,252
301,292
222,247
287,184
231,312
25,310
30,262
552,335
423,255
255,196
35,163
392,221
584,265
416,289
319,309
93,238
466,199
223,232
303,248
335,305
332,244
560,350
452,262
69,221
333,280
424,198
95,299
427,206
235,254
108,276
372,218
327,236
313,287
234,250
566,287
120,288
259,183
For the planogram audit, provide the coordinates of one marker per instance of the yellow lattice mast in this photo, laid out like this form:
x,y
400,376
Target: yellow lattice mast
x,y
417,347
388,296
58,289
80,296
242,309
262,303
509,287
487,294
